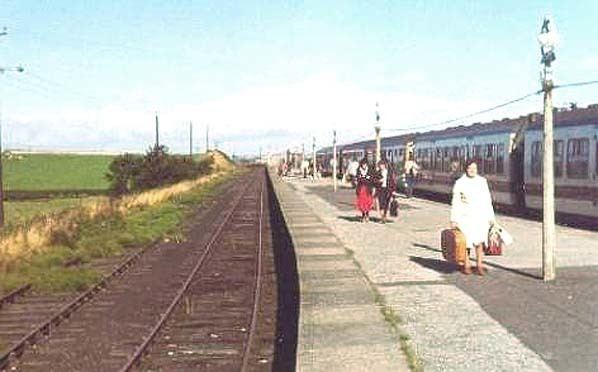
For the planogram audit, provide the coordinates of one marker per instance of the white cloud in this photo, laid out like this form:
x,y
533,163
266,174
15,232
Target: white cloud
x,y
272,117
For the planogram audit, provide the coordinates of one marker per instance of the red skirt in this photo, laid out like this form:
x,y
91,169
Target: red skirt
x,y
364,200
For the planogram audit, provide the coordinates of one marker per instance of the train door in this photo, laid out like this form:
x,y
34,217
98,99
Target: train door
x,y
517,175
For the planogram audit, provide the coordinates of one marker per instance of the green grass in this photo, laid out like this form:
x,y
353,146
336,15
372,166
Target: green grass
x,y
51,272
56,172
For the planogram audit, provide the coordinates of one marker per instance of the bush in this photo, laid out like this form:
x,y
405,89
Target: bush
x,y
130,173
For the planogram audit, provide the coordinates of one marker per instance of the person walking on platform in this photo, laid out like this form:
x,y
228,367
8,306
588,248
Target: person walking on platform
x,y
411,169
472,212
384,190
364,182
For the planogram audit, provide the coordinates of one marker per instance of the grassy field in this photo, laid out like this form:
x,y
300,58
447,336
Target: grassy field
x,y
55,172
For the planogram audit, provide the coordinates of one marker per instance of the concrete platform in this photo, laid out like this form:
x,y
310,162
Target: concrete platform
x,y
341,328
508,320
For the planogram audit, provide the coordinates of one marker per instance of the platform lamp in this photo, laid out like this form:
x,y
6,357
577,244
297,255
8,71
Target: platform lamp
x,y
377,130
548,39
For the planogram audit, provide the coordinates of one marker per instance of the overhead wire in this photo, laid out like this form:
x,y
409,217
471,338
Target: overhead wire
x,y
468,116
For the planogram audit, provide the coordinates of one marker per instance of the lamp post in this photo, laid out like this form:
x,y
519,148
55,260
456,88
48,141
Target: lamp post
x,y
377,129
548,40
313,149
334,160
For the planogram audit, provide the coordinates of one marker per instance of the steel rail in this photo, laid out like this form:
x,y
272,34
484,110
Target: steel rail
x,y
10,297
141,350
257,288
54,320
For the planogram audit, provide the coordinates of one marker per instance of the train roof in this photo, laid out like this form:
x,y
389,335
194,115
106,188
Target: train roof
x,y
563,117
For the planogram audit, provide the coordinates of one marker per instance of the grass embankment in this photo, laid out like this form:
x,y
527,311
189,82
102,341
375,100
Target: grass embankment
x,y
54,258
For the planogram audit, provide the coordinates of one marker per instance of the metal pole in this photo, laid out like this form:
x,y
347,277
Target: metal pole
x,y
157,132
207,138
313,148
191,139
378,156
548,224
1,179
334,161
377,128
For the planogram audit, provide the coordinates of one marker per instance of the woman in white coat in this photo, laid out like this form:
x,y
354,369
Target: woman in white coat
x,y
472,212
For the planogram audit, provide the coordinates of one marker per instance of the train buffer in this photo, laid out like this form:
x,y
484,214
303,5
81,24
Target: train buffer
x,y
508,319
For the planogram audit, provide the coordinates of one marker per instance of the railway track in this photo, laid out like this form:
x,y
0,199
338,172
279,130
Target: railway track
x,y
113,328
227,319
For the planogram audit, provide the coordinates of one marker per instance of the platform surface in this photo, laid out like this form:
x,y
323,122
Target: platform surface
x,y
508,320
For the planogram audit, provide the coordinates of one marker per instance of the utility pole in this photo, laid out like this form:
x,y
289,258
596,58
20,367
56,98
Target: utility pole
x,y
207,138
547,39
313,149
2,71
334,160
191,139
157,132
377,129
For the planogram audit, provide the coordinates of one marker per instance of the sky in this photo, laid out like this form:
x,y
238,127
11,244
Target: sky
x,y
274,75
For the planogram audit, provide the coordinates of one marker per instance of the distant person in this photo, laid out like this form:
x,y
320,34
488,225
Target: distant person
x,y
472,212
364,182
304,167
351,172
384,189
411,170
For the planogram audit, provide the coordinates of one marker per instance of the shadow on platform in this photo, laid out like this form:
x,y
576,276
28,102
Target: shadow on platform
x,y
358,219
440,266
491,264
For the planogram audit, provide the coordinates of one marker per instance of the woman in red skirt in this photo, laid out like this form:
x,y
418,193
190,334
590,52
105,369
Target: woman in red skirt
x,y
364,181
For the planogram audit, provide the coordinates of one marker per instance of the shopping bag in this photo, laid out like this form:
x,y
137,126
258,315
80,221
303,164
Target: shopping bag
x,y
394,207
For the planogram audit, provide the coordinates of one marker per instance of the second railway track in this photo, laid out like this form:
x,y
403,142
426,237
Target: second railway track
x,y
203,292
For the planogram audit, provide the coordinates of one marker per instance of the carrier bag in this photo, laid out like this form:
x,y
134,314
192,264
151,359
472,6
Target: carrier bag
x,y
394,207
452,242
493,246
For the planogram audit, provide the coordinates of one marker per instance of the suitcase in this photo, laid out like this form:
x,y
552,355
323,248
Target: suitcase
x,y
452,242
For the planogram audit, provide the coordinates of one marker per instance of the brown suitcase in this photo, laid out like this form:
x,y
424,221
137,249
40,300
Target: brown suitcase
x,y
453,246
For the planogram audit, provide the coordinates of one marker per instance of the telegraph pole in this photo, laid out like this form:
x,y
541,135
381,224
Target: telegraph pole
x,y
377,129
547,40
334,160
157,132
191,139
2,71
313,149
207,138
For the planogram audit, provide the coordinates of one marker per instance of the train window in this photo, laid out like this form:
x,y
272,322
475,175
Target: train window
x,y
596,158
446,159
536,164
438,159
500,159
578,157
477,156
489,162
558,158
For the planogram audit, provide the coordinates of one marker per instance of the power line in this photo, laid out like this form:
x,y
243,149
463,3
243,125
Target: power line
x,y
578,84
468,116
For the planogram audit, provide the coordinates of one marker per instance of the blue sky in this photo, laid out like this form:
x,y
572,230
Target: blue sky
x,y
274,75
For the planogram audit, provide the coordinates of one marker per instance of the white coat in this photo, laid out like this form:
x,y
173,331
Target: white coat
x,y
471,209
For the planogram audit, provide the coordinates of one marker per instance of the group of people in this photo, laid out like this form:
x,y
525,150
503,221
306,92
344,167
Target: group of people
x,y
471,207
371,185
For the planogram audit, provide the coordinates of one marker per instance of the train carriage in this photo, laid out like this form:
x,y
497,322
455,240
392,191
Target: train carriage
x,y
441,156
575,162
